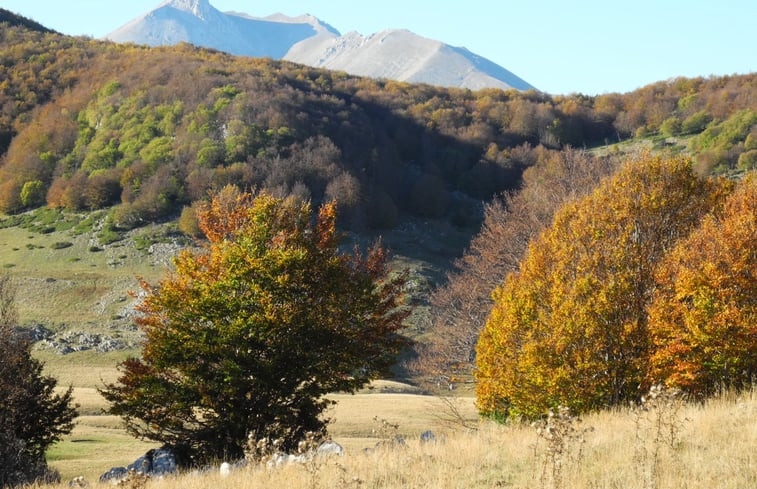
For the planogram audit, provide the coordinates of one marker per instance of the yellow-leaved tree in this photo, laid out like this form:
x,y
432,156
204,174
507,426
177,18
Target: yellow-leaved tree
x,y
569,327
703,319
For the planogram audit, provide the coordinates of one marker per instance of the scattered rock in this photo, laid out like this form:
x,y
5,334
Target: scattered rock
x,y
156,462
428,437
142,465
330,448
33,333
163,462
225,469
72,341
78,482
114,475
286,458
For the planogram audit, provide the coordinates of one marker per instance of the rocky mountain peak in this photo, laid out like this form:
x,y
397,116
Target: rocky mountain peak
x,y
198,8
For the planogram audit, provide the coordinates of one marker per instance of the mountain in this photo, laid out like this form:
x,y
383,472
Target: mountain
x,y
392,54
403,55
198,22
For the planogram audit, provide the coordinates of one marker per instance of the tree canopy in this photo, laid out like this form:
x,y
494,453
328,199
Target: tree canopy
x,y
247,336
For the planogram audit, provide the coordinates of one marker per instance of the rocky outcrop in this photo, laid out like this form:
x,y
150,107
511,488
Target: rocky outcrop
x,y
155,463
73,341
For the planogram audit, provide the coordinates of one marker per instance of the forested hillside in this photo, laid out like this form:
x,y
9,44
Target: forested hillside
x,y
86,124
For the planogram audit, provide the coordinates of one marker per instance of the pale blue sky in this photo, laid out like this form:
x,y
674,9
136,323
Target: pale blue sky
x,y
558,46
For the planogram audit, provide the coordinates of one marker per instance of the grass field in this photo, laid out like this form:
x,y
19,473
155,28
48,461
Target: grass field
x,y
99,442
713,447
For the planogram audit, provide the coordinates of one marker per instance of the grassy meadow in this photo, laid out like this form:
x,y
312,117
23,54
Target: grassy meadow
x,y
99,442
674,445
712,446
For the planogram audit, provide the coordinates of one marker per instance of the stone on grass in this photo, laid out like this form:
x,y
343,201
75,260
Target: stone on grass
x,y
114,475
155,463
330,448
428,436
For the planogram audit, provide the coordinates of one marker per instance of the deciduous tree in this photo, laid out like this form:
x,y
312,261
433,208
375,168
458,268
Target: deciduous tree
x,y
569,328
460,306
249,335
703,320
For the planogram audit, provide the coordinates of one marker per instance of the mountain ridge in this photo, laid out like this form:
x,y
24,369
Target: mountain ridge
x,y
396,54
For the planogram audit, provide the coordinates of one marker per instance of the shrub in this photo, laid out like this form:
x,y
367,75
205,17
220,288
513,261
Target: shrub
x,y
696,123
33,193
59,245
188,223
671,126
747,160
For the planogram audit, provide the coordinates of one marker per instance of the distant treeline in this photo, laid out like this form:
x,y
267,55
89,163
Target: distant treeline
x,y
86,124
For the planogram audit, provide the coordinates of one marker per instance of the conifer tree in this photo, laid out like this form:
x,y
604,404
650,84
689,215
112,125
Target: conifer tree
x,y
32,415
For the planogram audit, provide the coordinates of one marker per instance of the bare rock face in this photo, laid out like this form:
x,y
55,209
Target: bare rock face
x,y
392,54
402,55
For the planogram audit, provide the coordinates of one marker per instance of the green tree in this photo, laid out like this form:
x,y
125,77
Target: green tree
x,y
32,415
703,320
247,337
569,328
33,193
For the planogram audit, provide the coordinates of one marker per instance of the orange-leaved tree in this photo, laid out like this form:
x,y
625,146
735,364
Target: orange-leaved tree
x,y
247,336
703,319
569,328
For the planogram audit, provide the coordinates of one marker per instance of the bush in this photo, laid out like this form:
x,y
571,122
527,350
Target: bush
x,y
59,245
33,193
671,126
696,123
188,223
747,160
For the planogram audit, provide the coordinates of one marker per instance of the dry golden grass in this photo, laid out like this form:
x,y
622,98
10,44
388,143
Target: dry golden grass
x,y
715,448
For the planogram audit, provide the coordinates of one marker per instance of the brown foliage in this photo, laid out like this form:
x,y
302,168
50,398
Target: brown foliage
x,y
703,319
460,307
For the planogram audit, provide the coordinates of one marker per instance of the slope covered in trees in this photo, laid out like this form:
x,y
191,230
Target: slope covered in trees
x,y
86,124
